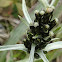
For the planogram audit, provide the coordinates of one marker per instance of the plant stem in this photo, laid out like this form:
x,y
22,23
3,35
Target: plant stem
x,y
42,55
31,58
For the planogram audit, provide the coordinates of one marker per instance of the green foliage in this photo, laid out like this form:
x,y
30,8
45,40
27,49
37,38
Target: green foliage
x,y
10,59
57,29
57,12
19,8
19,54
15,11
55,3
5,3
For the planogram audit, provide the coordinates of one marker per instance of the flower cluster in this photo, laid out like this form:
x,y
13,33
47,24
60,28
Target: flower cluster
x,y
39,33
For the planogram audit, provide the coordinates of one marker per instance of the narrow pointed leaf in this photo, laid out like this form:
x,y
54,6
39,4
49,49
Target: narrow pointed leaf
x,y
43,57
26,14
23,20
45,3
57,29
24,60
59,35
57,12
52,46
31,58
13,47
54,39
17,34
54,2
10,57
52,55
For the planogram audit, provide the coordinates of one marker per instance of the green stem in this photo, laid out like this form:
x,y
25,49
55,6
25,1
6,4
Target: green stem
x,y
42,55
31,58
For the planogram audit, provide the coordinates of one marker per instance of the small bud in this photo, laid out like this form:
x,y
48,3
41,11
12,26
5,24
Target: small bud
x,y
36,11
31,33
51,33
49,10
53,7
36,24
34,37
24,40
47,26
31,24
56,20
38,40
42,12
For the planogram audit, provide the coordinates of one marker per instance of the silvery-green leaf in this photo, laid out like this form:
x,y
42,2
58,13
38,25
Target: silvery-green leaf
x,y
17,34
57,29
59,34
57,12
42,55
45,3
54,2
54,39
23,20
52,55
10,57
52,46
31,58
26,14
13,47
24,60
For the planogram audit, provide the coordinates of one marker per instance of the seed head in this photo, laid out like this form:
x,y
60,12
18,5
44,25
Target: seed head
x,y
40,28
24,40
47,26
42,12
53,7
49,10
36,11
36,24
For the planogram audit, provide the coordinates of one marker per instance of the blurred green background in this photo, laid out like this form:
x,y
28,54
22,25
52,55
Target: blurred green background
x,y
9,21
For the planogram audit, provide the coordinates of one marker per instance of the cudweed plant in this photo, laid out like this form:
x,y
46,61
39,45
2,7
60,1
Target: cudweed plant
x,y
39,35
